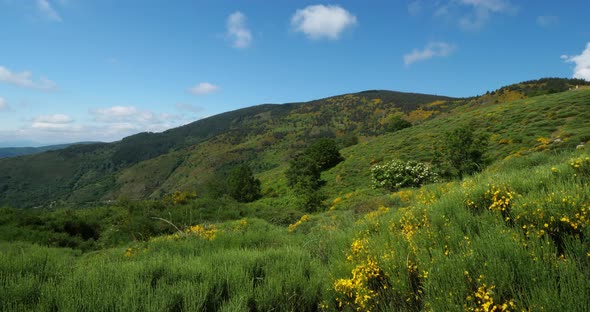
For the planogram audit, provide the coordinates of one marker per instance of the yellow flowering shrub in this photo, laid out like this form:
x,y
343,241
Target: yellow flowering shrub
x,y
207,232
361,291
496,198
293,227
581,166
543,143
483,301
180,197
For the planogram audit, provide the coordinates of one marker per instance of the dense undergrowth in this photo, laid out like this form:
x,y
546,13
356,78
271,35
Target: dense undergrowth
x,y
511,238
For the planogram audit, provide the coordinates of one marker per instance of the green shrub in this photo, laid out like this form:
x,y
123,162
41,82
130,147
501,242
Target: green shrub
x,y
463,152
325,153
242,185
397,174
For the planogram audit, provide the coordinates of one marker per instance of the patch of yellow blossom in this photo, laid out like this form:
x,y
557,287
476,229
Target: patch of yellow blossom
x,y
419,115
335,202
131,251
405,196
181,197
500,198
358,249
207,232
581,166
293,227
543,143
483,301
240,225
361,291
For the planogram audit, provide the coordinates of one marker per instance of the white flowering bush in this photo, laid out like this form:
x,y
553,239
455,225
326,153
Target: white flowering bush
x,y
397,173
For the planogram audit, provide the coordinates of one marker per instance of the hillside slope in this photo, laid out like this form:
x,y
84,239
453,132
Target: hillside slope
x,y
151,165
86,174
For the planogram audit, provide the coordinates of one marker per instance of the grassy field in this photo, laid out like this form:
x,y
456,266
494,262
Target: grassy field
x,y
513,238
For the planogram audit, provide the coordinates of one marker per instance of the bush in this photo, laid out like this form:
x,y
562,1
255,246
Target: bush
x,y
242,185
462,153
303,174
325,153
397,174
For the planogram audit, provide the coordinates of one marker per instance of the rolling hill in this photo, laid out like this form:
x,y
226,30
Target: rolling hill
x,y
151,165
6,152
513,237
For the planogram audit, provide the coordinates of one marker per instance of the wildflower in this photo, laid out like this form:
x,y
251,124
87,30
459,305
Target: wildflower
x,y
293,227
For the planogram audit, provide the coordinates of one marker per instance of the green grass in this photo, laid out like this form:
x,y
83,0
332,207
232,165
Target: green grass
x,y
432,250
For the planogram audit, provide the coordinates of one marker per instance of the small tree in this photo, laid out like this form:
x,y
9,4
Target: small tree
x,y
303,174
242,185
462,152
325,153
397,123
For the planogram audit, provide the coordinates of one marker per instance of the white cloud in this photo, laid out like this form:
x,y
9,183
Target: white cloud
x,y
55,118
24,79
320,21
55,122
3,105
433,49
237,31
582,61
126,115
547,20
119,113
108,124
48,11
203,88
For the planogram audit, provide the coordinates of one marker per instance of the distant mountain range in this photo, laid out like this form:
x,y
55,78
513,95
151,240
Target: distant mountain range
x,y
6,152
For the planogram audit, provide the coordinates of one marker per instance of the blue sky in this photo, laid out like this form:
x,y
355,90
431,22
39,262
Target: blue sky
x,y
78,70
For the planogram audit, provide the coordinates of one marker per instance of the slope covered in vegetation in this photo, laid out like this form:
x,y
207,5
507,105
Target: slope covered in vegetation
x,y
512,237
194,156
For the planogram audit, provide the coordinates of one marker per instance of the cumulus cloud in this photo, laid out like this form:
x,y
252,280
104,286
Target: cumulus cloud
x,y
547,21
55,122
237,32
117,114
433,49
55,118
582,63
203,88
45,8
321,21
106,124
24,79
